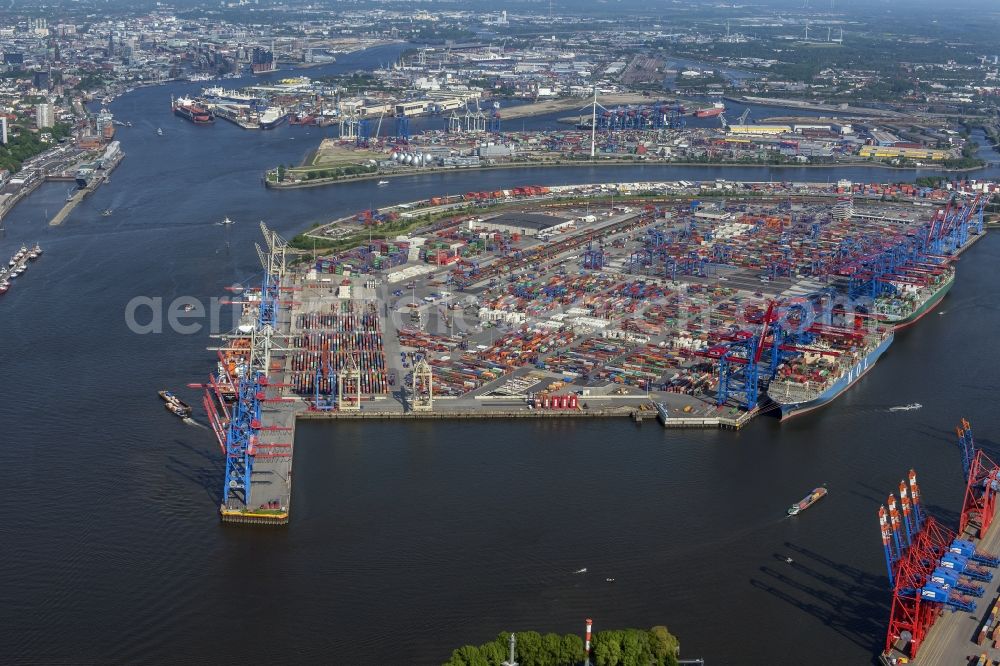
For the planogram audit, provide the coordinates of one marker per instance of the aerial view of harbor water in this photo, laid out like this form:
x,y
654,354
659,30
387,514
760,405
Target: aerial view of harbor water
x,y
480,334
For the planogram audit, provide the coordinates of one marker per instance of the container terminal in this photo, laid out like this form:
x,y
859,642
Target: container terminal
x,y
702,313
942,576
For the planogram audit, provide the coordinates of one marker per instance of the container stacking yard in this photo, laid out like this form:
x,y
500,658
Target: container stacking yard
x,y
703,304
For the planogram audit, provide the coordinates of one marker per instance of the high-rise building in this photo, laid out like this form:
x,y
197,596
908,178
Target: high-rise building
x,y
44,116
3,130
41,79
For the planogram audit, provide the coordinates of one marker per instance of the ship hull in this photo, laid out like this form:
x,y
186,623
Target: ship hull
x,y
274,123
196,118
788,410
928,305
708,113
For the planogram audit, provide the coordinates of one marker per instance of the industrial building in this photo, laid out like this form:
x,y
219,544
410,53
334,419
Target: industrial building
x,y
759,129
883,138
909,153
411,108
524,224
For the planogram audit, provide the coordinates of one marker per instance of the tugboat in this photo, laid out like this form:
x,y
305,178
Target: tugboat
x,y
159,131
174,404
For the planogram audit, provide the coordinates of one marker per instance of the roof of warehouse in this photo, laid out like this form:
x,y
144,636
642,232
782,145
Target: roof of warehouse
x,y
525,220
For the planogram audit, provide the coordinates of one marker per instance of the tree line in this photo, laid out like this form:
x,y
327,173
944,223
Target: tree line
x,y
616,647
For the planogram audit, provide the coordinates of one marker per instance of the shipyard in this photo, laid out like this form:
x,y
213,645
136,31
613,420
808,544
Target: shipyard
x,y
695,304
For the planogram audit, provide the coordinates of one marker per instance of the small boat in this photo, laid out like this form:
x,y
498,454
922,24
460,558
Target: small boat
x,y
906,408
159,131
226,222
175,405
128,123
580,571
807,501
188,307
383,182
107,212
4,286
37,249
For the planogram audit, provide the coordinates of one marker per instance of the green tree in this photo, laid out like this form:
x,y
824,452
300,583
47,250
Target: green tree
x,y
571,650
551,647
495,652
529,648
665,646
467,655
607,648
281,172
635,648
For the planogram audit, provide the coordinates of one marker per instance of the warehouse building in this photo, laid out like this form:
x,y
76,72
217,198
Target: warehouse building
x,y
909,153
761,130
525,224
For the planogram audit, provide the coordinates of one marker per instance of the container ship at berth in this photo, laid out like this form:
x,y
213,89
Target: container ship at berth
x,y
827,368
711,112
188,109
911,302
807,501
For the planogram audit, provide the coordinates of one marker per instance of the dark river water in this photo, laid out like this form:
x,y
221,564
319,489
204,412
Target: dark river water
x,y
410,539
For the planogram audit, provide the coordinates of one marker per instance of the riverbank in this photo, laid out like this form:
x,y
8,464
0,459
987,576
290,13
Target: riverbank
x,y
423,171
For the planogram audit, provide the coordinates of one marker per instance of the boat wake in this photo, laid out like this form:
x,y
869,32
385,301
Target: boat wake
x,y
191,422
581,571
906,408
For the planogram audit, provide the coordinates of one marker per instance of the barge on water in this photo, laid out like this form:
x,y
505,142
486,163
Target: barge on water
x,y
807,501
175,405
